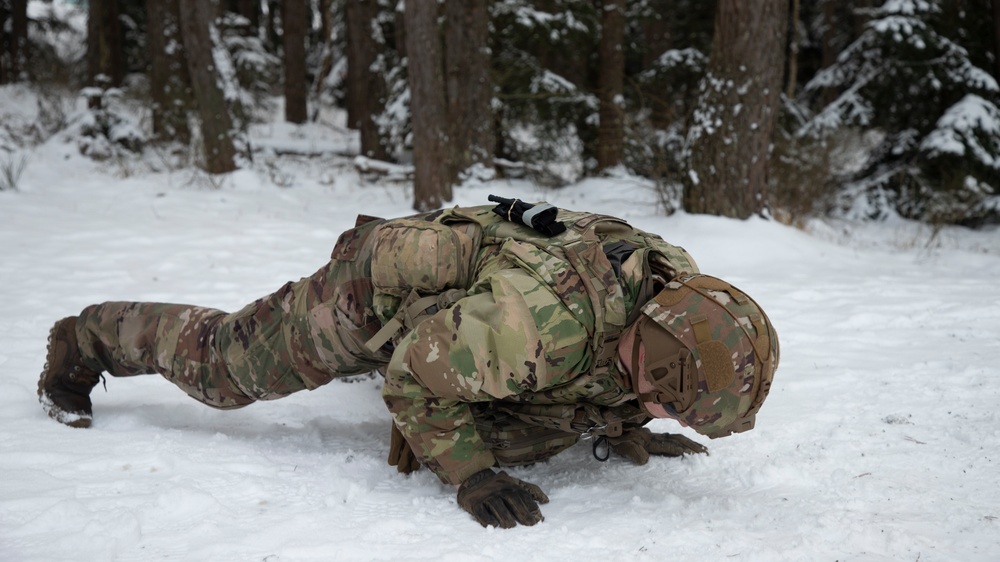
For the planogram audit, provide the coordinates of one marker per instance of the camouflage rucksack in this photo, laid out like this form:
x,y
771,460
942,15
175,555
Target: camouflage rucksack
x,y
425,263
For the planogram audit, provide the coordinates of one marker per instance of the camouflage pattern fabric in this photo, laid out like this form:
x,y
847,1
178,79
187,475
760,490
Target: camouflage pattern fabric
x,y
524,335
527,335
733,346
300,337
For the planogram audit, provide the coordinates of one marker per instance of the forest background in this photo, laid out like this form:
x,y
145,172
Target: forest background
x,y
780,108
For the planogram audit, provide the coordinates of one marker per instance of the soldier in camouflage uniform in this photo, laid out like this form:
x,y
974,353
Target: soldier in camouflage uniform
x,y
500,345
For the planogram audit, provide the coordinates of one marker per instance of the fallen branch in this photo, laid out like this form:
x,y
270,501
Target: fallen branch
x,y
396,172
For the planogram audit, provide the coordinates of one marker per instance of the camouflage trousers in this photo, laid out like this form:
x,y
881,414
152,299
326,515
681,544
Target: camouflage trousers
x,y
300,337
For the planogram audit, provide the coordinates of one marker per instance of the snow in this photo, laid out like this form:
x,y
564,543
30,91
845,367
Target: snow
x,y
880,439
963,125
550,82
908,7
676,58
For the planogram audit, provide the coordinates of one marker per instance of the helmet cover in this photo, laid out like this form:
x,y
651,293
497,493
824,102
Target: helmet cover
x,y
704,353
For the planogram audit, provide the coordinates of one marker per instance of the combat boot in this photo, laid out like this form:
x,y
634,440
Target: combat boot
x,y
65,385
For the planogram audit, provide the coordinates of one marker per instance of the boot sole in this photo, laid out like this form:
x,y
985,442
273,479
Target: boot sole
x,y
72,419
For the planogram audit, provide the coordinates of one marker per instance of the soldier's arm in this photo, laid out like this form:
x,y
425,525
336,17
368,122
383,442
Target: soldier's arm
x,y
517,338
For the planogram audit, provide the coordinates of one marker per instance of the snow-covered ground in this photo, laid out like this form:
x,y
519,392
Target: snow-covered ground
x,y
880,439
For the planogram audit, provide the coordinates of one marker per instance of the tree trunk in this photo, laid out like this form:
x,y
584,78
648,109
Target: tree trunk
x,y
325,20
657,37
250,9
829,51
293,24
169,81
366,89
271,37
996,39
216,123
469,84
611,77
327,45
861,17
793,51
425,74
6,73
729,143
828,54
4,50
358,39
104,43
18,38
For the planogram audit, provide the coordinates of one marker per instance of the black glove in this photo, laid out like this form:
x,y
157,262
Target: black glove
x,y
637,444
494,498
400,454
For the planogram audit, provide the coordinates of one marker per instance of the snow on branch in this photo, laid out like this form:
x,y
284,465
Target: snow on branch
x,y
972,125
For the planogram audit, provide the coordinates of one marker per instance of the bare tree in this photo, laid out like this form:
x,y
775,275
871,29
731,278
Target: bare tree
x,y
793,51
730,137
360,52
5,62
326,44
18,37
216,123
425,74
365,87
169,81
105,55
469,85
8,71
996,38
293,24
325,19
272,12
611,130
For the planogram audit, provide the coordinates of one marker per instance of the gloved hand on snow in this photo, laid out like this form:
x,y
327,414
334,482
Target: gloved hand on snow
x,y
400,454
494,498
637,444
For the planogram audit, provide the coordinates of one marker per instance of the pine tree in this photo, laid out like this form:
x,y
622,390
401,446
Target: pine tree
x,y
543,63
934,108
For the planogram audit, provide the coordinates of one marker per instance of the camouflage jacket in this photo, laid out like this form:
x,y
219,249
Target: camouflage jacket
x,y
529,334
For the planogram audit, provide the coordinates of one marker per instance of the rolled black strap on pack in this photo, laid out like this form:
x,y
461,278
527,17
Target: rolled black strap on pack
x,y
540,217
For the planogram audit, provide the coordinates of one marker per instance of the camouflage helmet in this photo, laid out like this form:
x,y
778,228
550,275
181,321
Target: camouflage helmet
x,y
703,353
